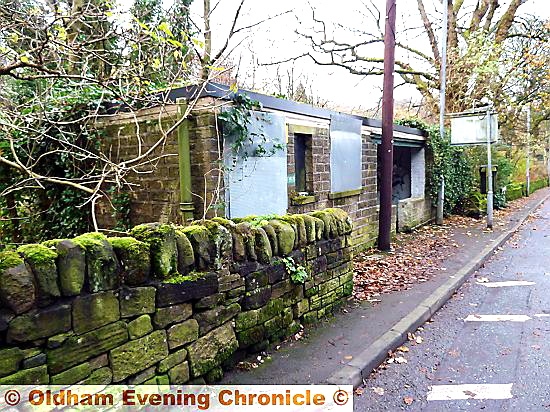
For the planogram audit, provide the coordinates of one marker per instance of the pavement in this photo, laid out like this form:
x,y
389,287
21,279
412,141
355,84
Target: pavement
x,y
488,347
346,348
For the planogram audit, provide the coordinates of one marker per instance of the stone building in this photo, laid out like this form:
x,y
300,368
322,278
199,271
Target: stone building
x,y
293,158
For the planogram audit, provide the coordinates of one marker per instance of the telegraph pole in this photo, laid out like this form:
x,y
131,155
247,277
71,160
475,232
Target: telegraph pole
x,y
442,89
386,148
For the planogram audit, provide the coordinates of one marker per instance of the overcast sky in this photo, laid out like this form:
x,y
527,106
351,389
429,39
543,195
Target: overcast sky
x,y
276,40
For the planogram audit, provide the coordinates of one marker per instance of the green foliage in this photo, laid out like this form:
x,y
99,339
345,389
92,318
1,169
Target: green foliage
x,y
236,121
33,214
298,273
121,208
446,161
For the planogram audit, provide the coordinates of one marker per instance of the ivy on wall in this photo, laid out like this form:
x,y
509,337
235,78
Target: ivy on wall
x,y
445,161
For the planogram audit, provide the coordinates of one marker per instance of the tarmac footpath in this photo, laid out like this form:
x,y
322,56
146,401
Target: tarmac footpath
x,y
346,348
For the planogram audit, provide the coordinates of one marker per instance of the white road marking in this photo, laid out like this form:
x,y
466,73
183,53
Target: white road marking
x,y
497,318
470,391
506,283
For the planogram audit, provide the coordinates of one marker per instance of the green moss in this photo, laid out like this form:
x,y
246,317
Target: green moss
x,y
52,244
38,254
163,248
195,230
9,260
129,244
224,222
191,277
90,240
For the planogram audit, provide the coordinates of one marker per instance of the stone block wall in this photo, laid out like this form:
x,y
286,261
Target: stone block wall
x,y
168,304
414,212
155,193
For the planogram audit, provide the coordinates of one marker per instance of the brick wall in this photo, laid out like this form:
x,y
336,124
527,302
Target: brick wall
x,y
155,185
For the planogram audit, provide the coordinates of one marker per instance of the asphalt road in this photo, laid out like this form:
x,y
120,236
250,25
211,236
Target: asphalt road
x,y
463,360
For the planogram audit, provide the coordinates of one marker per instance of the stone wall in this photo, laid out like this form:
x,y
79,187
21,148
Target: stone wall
x,y
169,304
155,191
413,212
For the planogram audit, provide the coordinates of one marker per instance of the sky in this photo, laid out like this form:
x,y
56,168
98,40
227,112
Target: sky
x,y
346,20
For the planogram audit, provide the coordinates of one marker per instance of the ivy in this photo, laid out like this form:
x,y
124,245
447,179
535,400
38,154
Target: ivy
x,y
298,273
449,162
121,208
236,125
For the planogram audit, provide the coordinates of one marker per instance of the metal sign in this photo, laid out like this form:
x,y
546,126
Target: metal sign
x,y
470,127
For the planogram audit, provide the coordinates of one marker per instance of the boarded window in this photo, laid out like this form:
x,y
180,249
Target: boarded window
x,y
303,163
345,153
256,176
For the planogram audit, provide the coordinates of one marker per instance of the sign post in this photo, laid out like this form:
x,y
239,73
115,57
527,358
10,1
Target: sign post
x,y
489,172
476,127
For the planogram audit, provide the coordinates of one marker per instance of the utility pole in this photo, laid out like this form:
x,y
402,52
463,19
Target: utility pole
x,y
528,161
386,147
442,89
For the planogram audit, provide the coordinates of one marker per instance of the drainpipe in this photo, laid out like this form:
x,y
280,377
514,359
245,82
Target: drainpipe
x,y
186,197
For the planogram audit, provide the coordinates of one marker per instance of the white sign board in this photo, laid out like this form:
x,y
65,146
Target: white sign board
x,y
471,129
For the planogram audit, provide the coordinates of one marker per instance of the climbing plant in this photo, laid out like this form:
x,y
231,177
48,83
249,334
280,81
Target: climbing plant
x,y
448,162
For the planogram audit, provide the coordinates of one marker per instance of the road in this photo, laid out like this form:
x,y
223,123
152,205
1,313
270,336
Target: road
x,y
488,348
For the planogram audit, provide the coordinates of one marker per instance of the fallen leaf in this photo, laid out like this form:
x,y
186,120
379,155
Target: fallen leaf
x,y
348,357
359,391
403,349
419,339
400,359
482,280
408,400
379,391
469,393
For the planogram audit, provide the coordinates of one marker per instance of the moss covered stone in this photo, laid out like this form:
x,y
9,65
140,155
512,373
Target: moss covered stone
x,y
161,239
78,349
222,242
245,230
42,259
262,245
40,323
139,327
101,376
212,350
214,375
137,355
172,314
134,258
179,374
246,320
72,376
300,227
33,376
286,236
330,229
17,290
251,336
309,223
9,259
203,245
343,221
137,301
92,311
183,333
9,360
186,256
172,360
272,236
71,266
212,318
103,268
